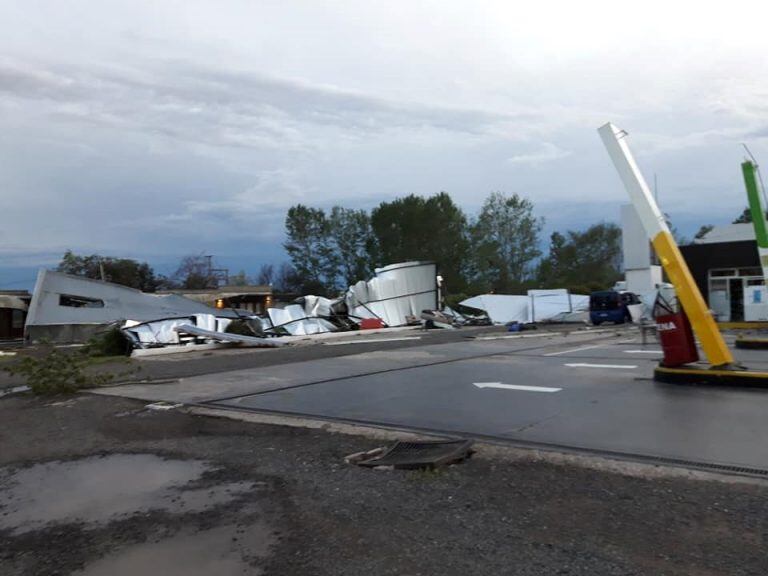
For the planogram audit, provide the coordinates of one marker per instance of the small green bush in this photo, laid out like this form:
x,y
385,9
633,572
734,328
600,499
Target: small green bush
x,y
58,372
112,342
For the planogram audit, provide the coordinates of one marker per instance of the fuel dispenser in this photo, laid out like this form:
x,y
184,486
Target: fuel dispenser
x,y
674,330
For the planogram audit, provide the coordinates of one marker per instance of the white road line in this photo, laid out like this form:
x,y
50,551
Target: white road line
x,y
618,366
367,340
515,387
573,350
511,336
642,351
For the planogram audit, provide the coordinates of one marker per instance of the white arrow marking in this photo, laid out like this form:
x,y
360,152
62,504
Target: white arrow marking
x,y
515,387
624,366
642,351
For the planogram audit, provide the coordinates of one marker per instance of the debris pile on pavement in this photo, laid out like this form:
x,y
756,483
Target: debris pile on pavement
x,y
67,309
536,306
71,309
402,455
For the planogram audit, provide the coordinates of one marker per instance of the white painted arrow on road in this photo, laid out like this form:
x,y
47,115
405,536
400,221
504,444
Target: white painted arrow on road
x,y
515,387
619,366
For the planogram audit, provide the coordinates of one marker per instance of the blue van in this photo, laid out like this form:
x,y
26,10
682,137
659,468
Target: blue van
x,y
610,306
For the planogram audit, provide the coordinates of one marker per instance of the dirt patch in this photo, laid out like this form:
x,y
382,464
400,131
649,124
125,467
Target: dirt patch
x,y
296,508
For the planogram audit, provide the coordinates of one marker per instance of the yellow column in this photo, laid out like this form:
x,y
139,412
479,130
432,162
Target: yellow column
x,y
695,307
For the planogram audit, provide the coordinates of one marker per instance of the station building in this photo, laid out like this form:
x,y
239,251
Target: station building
x,y
726,267
13,313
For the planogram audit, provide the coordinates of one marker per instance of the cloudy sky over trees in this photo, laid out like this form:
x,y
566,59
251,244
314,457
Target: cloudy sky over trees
x,y
157,129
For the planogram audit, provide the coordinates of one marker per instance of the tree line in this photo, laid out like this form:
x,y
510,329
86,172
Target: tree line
x,y
496,250
194,272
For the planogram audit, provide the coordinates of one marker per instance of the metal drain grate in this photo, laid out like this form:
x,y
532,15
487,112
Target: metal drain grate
x,y
415,455
711,466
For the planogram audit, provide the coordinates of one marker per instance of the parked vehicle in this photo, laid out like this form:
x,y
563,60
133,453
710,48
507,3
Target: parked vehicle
x,y
611,306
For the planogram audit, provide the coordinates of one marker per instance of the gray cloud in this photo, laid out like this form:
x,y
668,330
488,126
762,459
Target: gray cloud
x,y
123,132
239,109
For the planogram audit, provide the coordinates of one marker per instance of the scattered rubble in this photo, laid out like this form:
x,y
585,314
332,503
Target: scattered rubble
x,y
536,306
411,455
70,309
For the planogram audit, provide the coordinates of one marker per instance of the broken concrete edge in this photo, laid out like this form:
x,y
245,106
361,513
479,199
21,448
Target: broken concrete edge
x,y
485,450
748,343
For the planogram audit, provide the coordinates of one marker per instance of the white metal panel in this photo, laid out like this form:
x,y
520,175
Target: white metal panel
x,y
635,244
119,302
651,217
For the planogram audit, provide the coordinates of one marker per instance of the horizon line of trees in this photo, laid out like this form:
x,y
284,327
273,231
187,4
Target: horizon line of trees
x,y
194,272
497,250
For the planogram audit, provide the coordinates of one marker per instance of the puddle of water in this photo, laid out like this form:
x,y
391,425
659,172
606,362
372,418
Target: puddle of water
x,y
220,551
98,489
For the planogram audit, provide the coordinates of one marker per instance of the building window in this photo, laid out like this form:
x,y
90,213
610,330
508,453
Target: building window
x,y
755,282
80,301
718,284
750,272
725,272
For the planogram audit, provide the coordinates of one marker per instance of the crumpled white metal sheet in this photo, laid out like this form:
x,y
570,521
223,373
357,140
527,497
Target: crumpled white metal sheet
x,y
224,337
295,321
536,306
397,292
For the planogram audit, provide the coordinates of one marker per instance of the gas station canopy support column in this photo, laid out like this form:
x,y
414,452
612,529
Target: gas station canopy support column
x,y
704,325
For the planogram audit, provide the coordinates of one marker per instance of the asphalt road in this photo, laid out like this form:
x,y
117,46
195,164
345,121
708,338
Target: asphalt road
x,y
586,391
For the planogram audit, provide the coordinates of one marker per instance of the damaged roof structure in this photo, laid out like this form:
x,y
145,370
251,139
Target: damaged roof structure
x,y
67,309
395,296
72,309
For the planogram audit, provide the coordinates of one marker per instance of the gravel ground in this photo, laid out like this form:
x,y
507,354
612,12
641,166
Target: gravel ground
x,y
300,510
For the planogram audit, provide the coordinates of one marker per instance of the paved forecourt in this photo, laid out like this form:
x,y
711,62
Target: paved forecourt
x,y
590,391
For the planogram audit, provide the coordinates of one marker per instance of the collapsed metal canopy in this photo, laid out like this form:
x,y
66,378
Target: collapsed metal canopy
x,y
63,299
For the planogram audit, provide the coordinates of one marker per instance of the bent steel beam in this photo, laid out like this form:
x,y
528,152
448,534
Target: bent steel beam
x,y
655,225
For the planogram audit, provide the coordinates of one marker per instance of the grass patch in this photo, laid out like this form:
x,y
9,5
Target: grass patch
x,y
51,370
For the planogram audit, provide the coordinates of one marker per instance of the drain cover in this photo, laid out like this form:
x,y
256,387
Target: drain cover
x,y
414,455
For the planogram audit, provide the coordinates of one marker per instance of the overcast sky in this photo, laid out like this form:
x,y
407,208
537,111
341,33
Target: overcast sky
x,y
159,129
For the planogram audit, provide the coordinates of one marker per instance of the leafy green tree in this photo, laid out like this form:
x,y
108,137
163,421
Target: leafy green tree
x,y
745,217
505,240
703,231
309,247
195,272
353,240
415,228
123,271
583,261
